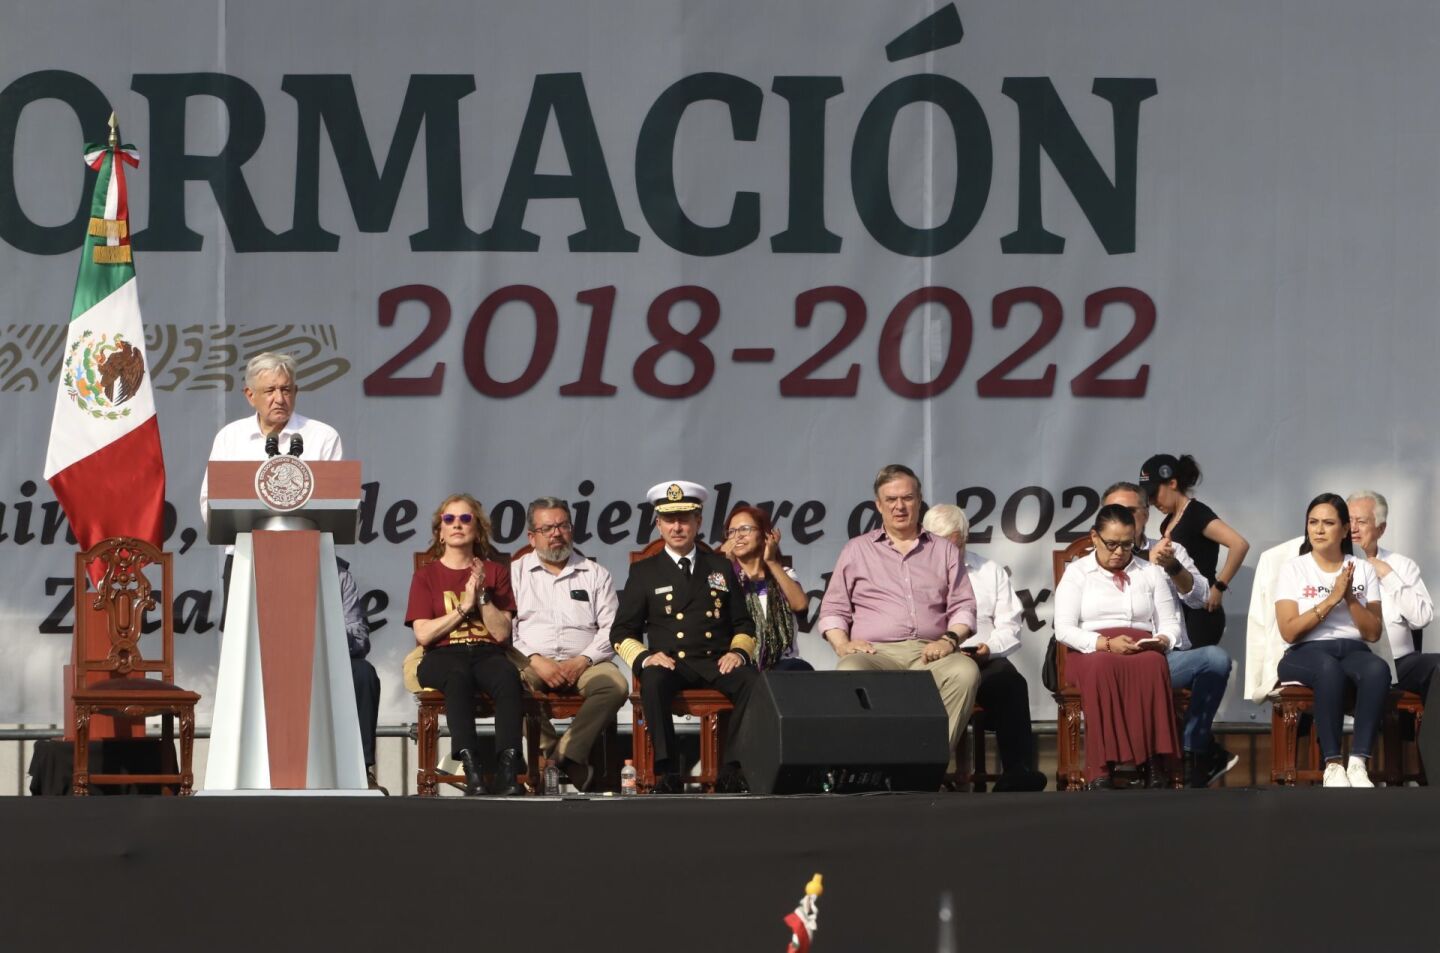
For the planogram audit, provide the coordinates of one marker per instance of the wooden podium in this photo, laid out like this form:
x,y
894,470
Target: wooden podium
x,y
284,718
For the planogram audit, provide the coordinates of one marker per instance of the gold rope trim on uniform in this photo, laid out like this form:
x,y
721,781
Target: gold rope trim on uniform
x,y
116,228
744,643
112,255
629,649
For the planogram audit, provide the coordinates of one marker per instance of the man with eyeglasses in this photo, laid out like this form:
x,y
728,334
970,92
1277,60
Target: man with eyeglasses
x,y
900,598
1405,602
271,390
1205,669
565,605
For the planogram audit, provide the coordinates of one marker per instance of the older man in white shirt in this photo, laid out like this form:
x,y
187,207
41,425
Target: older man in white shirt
x,y
271,390
1404,600
565,605
1205,670
1003,692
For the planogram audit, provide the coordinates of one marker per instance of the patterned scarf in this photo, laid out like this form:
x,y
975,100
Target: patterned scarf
x,y
775,629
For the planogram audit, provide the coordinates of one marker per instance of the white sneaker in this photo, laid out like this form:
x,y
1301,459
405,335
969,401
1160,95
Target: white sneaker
x,y
1356,774
1336,776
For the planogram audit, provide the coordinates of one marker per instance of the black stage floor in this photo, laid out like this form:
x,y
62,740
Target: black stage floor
x,y
1205,870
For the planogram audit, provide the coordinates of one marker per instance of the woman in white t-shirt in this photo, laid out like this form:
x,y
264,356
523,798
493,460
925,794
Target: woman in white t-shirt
x,y
1327,607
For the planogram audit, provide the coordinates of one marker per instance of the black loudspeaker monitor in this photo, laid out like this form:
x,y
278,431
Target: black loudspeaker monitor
x,y
844,731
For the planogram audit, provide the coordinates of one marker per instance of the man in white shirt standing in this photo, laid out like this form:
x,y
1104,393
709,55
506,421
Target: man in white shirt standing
x,y
270,389
1003,694
565,604
1404,600
1205,669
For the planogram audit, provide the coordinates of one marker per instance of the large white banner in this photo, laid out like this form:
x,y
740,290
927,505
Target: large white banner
x,y
577,249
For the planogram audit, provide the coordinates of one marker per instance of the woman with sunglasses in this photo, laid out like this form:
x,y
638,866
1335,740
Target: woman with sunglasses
x,y
1117,617
1327,607
772,590
460,609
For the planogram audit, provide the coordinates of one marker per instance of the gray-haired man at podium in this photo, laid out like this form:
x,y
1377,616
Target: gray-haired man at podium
x,y
270,388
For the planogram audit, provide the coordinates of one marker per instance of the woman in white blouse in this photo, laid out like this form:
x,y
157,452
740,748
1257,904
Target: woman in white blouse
x,y
1117,617
1327,606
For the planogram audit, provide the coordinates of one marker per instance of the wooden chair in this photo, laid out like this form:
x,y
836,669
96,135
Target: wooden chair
x,y
972,769
431,706
707,704
125,595
1292,708
1070,767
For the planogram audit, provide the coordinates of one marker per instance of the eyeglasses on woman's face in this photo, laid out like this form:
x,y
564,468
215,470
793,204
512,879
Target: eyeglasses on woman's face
x,y
738,531
465,518
1117,545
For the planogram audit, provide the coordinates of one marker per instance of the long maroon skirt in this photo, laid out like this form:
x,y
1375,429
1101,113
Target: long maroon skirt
x,y
1127,702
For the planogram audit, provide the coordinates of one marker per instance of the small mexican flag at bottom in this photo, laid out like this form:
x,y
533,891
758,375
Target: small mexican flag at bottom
x,y
104,460
804,921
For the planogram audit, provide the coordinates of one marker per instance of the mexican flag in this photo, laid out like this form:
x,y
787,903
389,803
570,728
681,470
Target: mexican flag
x,y
104,461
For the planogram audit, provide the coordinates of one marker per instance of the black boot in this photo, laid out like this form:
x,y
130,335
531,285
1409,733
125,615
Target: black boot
x,y
1157,774
474,783
507,774
1197,770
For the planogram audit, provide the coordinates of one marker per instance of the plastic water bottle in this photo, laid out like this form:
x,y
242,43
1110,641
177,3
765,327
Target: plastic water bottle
x,y
628,776
552,779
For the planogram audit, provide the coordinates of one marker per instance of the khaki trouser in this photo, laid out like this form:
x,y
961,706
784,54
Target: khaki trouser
x,y
956,675
604,690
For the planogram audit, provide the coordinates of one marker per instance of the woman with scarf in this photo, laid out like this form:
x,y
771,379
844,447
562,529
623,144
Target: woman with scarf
x,y
772,589
1117,618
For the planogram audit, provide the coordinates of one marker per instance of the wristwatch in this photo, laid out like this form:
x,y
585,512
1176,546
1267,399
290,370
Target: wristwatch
x,y
482,597
1221,586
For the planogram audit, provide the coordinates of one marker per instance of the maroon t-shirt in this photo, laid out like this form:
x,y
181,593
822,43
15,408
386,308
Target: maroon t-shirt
x,y
436,590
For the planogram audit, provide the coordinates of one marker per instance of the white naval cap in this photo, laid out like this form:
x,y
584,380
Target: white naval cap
x,y
678,496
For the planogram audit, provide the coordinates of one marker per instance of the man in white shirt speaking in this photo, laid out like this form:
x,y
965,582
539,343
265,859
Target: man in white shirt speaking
x,y
271,390
1003,693
565,605
1404,600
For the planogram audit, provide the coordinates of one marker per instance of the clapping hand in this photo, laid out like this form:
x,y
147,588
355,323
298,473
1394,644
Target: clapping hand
x,y
772,546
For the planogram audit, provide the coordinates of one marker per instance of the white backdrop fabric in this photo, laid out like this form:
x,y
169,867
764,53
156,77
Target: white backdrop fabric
x,y
1286,228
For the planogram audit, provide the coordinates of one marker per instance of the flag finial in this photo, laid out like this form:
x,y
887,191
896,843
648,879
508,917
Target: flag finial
x,y
114,131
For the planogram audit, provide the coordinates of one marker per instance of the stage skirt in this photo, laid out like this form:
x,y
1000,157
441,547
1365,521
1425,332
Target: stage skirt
x,y
1127,702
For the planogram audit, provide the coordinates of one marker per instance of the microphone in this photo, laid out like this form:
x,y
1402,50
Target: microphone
x,y
272,445
297,446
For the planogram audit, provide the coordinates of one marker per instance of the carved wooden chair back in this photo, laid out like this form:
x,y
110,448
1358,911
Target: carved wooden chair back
x,y
121,601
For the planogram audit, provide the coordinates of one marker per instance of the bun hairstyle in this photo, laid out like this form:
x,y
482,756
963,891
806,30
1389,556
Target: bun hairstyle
x,y
1342,510
1187,473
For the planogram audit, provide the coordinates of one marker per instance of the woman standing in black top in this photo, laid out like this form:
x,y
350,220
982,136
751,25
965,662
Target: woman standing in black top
x,y
1167,481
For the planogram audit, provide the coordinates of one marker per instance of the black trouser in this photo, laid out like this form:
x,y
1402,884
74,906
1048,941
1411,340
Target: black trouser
x,y
460,671
1203,626
1005,697
367,704
658,686
1326,666
1413,671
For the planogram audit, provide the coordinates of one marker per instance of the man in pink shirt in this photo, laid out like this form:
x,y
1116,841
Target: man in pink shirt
x,y
900,598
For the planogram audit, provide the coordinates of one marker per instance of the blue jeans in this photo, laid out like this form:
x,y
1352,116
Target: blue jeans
x,y
1205,670
1325,666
